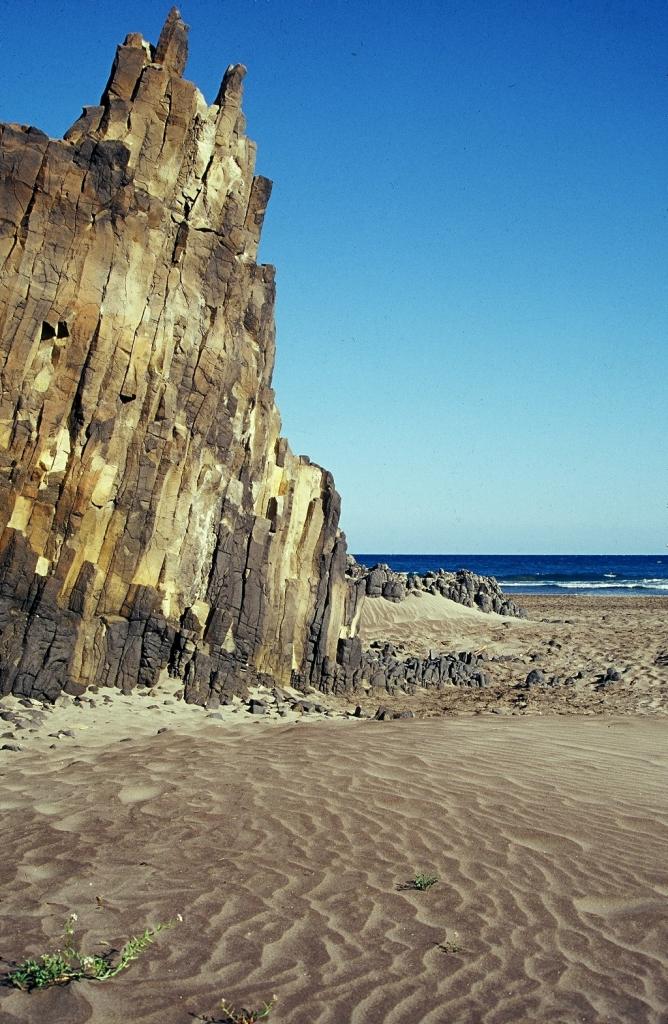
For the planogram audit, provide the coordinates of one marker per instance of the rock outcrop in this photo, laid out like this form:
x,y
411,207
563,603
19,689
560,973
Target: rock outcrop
x,y
381,668
463,587
153,520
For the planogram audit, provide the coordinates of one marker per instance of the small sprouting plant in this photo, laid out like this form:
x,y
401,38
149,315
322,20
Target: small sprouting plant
x,y
72,964
422,881
242,1016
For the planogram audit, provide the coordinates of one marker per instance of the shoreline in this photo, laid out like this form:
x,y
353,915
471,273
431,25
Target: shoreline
x,y
596,596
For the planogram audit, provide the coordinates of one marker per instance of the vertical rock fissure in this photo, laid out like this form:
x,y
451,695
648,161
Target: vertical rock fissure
x,y
152,518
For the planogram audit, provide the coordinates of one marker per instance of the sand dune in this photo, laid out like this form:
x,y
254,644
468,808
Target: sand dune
x,y
425,607
285,848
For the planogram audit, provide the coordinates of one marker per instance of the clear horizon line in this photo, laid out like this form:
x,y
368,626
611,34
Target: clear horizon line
x,y
515,554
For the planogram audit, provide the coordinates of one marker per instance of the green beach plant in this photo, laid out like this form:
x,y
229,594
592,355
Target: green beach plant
x,y
242,1016
422,881
68,963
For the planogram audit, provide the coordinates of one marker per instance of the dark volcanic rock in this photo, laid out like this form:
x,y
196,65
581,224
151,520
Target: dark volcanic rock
x,y
306,707
464,587
610,676
380,668
384,714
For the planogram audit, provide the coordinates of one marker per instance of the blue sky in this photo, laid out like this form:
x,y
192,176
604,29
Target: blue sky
x,y
469,222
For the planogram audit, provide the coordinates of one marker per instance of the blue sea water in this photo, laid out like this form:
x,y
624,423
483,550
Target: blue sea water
x,y
604,575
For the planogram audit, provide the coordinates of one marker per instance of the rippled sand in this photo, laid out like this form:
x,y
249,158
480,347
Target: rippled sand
x,y
285,849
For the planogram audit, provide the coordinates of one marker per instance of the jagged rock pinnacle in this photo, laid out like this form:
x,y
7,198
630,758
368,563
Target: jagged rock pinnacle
x,y
152,520
172,48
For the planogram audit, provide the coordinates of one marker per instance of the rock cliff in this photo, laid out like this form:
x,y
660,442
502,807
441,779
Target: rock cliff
x,y
153,520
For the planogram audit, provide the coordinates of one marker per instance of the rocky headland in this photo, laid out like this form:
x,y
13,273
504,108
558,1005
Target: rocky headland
x,y
153,520
156,529
154,523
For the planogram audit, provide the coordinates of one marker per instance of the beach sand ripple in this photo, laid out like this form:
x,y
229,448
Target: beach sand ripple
x,y
287,852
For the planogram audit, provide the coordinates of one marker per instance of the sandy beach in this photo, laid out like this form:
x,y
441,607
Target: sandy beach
x,y
272,776
285,850
286,843
572,640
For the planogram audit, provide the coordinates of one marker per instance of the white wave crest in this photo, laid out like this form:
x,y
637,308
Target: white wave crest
x,y
646,584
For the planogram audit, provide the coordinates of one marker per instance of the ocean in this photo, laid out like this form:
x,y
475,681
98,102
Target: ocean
x,y
604,575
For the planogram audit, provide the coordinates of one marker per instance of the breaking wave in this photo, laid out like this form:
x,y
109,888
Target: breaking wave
x,y
646,584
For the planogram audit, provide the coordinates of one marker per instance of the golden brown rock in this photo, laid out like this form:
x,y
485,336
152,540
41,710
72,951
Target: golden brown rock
x,y
152,518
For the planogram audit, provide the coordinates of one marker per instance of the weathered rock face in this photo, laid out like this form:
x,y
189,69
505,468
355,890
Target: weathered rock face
x,y
151,517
